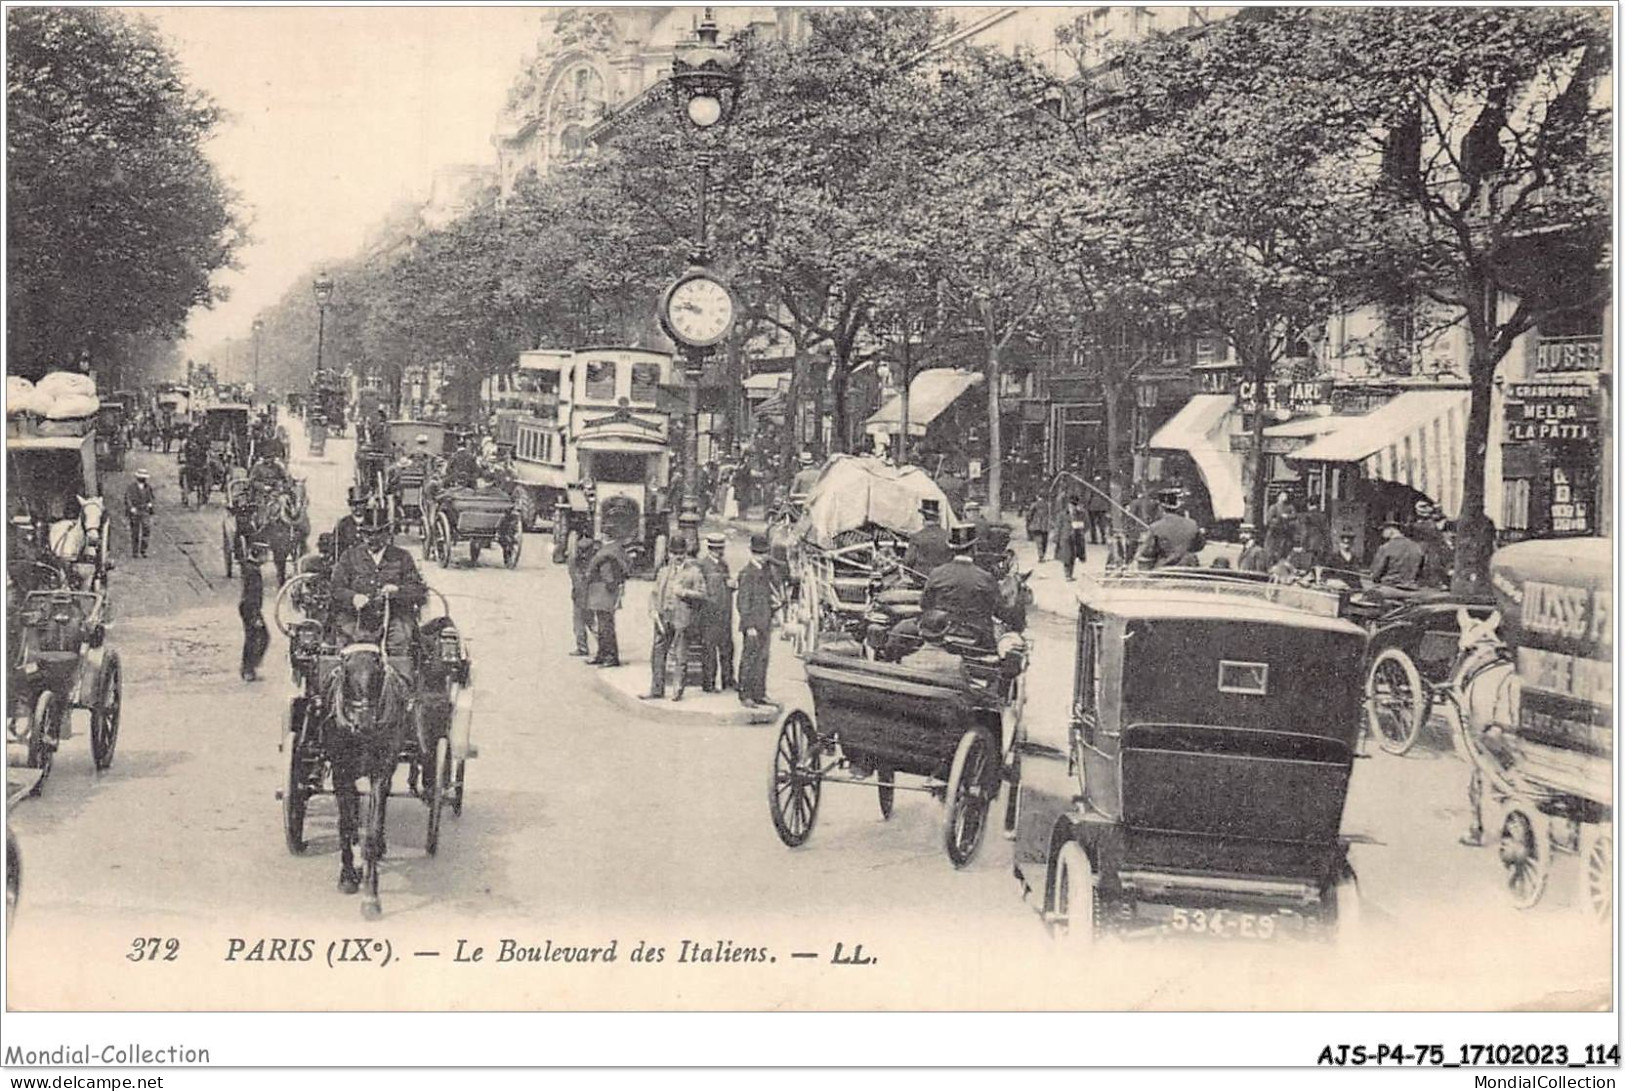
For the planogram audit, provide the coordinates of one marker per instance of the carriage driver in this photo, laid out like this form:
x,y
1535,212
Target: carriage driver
x,y
364,576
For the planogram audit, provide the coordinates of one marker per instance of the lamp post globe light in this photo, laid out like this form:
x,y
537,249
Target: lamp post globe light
x,y
697,310
258,328
322,286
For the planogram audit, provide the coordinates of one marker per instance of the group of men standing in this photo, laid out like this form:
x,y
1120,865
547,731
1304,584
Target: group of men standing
x,y
692,608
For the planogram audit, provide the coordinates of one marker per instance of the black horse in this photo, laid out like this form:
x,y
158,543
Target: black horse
x,y
370,701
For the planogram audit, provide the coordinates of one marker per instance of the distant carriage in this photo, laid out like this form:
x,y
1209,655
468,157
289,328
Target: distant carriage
x,y
483,518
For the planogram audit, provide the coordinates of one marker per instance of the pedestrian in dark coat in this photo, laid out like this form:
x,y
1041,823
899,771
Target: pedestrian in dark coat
x,y
138,505
581,616
1065,552
250,608
1039,518
717,671
1095,504
1252,557
1399,560
607,574
755,602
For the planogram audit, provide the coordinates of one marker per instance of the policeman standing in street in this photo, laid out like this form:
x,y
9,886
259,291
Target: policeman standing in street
x,y
755,623
717,662
581,616
138,505
607,573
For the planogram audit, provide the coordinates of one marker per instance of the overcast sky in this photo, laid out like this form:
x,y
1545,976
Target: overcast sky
x,y
335,115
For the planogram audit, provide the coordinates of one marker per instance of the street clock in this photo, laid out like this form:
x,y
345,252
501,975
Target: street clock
x,y
697,310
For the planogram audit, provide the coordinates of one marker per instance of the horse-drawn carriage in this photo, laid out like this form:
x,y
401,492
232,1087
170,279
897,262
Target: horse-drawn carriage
x,y
1532,695
956,728
846,541
59,662
482,517
275,516
363,709
55,479
1200,786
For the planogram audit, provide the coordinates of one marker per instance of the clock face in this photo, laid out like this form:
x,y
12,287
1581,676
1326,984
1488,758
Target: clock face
x,y
699,311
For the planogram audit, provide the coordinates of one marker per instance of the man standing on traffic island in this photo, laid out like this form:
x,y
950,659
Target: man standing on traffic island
x,y
718,661
1398,562
607,573
138,504
755,604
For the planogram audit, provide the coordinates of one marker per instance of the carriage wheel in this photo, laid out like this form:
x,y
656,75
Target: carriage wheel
x,y
1526,854
444,541
14,877
458,779
794,789
104,717
971,784
1012,798
1396,702
295,793
511,549
1071,914
1340,908
888,791
44,732
1597,858
436,783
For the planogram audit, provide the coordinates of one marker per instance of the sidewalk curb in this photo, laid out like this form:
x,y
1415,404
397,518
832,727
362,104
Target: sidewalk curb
x,y
669,712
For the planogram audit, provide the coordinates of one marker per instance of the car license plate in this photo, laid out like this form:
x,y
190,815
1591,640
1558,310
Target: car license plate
x,y
1212,922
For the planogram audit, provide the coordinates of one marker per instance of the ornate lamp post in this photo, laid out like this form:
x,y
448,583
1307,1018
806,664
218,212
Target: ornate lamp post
x,y
698,309
259,328
323,287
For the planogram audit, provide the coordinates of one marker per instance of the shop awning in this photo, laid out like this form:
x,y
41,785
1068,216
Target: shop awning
x,y
1199,423
1306,427
929,395
1416,440
1201,430
772,406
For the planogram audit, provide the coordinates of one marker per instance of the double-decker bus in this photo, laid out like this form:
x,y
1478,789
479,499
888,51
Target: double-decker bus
x,y
591,445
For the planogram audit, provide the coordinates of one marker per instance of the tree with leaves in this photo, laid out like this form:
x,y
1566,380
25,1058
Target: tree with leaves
x,y
116,219
1493,192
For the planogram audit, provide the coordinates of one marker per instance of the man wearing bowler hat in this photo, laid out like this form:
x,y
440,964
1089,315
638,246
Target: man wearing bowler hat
x,y
755,604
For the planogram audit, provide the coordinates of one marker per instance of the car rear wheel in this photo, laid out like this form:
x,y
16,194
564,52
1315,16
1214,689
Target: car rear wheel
x,y
1071,913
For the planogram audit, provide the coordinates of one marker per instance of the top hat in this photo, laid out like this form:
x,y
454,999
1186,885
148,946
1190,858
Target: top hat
x,y
758,543
929,507
678,547
376,519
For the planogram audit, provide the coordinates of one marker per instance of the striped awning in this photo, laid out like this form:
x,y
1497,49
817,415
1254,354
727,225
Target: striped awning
x,y
1416,440
1201,430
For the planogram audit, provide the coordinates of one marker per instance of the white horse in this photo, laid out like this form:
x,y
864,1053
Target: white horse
x,y
1485,687
72,539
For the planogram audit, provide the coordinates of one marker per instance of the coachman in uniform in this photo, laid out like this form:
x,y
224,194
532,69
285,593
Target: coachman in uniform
x,y
930,546
367,573
1174,539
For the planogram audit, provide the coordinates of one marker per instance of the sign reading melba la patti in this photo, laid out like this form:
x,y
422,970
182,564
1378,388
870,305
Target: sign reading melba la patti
x,y
1550,411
